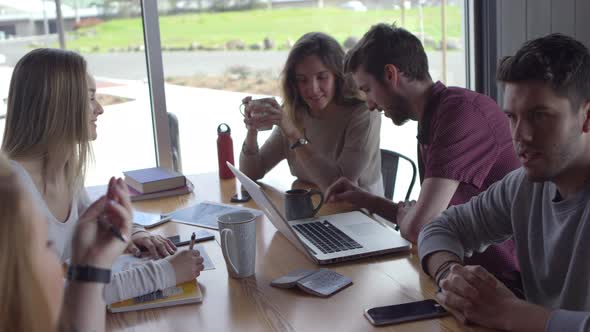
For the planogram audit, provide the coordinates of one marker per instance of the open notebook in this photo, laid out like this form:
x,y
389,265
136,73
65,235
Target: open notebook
x,y
188,292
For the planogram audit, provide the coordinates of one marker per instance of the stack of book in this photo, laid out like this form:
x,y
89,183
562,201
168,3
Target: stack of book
x,y
156,182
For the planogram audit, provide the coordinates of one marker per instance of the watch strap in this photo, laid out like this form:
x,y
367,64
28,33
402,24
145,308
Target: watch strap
x,y
299,142
88,273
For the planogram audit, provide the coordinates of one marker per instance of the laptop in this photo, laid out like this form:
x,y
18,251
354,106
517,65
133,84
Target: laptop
x,y
332,238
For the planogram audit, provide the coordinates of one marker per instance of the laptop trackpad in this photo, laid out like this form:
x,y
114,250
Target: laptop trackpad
x,y
364,229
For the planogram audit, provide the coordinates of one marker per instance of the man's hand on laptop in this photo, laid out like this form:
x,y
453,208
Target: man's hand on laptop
x,y
343,190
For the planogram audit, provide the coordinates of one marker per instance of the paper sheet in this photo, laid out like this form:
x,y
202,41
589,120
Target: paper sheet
x,y
205,214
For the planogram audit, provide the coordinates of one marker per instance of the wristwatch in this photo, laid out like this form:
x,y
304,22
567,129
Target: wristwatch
x,y
88,273
299,142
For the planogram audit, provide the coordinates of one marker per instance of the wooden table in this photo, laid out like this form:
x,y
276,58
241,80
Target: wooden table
x,y
251,304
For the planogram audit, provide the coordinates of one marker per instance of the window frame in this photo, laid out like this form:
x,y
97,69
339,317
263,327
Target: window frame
x,y
155,72
475,70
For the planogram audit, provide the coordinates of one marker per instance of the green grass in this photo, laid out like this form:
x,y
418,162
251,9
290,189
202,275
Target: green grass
x,y
211,29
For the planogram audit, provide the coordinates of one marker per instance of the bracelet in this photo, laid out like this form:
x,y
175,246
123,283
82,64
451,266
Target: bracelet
x,y
87,273
441,276
140,231
443,270
444,265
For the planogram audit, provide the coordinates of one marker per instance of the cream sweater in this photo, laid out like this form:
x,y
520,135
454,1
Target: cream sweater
x,y
349,138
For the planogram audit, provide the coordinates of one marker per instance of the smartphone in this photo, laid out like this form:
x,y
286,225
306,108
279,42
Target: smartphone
x,y
405,312
202,235
149,220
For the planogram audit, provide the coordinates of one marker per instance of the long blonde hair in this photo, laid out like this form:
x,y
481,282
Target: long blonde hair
x,y
332,56
49,109
23,306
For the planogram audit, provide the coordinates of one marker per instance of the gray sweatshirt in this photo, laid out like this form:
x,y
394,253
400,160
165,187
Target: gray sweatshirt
x,y
552,239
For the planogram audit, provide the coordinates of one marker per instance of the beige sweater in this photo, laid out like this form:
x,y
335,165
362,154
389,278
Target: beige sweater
x,y
345,143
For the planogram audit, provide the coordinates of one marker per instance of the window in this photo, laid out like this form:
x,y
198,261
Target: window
x,y
214,53
125,132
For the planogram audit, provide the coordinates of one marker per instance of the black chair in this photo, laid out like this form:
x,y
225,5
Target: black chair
x,y
389,164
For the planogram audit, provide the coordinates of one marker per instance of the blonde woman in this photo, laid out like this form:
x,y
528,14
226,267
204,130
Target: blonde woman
x,y
323,128
50,121
31,282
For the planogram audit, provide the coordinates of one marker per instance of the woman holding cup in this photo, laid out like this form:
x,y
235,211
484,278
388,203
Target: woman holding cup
x,y
323,128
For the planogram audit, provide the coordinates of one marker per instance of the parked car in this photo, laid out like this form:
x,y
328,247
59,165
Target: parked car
x,y
355,5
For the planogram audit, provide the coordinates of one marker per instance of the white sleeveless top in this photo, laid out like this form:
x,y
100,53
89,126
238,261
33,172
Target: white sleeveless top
x,y
60,233
144,279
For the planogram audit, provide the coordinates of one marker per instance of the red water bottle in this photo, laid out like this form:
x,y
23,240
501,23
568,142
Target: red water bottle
x,y
225,151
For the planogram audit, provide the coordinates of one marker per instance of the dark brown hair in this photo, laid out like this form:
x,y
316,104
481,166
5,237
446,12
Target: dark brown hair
x,y
387,44
557,59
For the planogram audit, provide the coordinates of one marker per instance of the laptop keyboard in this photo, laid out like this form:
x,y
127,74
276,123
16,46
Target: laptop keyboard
x,y
327,237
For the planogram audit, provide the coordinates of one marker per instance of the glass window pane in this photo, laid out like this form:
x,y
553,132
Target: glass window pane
x,y
110,37
215,53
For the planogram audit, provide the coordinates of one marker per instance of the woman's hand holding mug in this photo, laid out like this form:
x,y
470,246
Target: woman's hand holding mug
x,y
261,114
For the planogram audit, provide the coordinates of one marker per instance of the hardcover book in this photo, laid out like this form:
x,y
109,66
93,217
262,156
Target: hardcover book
x,y
155,179
137,196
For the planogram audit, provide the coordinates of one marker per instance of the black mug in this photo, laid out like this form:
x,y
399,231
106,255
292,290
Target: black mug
x,y
298,203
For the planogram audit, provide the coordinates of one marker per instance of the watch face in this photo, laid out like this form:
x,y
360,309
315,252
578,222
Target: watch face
x,y
299,142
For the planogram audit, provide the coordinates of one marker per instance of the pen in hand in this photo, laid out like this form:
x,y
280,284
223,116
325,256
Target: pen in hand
x,y
108,226
102,218
193,238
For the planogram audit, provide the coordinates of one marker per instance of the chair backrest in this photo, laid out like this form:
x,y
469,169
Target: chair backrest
x,y
175,142
389,165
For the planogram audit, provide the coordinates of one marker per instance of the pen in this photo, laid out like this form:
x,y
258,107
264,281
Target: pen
x,y
193,238
116,233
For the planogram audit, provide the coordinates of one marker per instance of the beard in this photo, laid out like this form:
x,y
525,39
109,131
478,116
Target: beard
x,y
398,109
557,161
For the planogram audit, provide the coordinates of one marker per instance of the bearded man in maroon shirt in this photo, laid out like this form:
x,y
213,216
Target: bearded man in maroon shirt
x,y
464,139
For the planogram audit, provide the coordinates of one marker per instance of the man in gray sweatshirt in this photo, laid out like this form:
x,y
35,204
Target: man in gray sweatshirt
x,y
544,206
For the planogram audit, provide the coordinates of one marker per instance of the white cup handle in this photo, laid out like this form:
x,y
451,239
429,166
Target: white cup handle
x,y
225,250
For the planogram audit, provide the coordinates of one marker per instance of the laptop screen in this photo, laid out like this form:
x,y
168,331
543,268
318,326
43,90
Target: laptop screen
x,y
269,209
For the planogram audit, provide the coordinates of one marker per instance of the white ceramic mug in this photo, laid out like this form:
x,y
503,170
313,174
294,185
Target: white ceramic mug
x,y
238,242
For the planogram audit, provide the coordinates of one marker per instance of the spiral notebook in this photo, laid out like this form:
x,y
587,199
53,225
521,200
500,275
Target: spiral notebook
x,y
188,292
